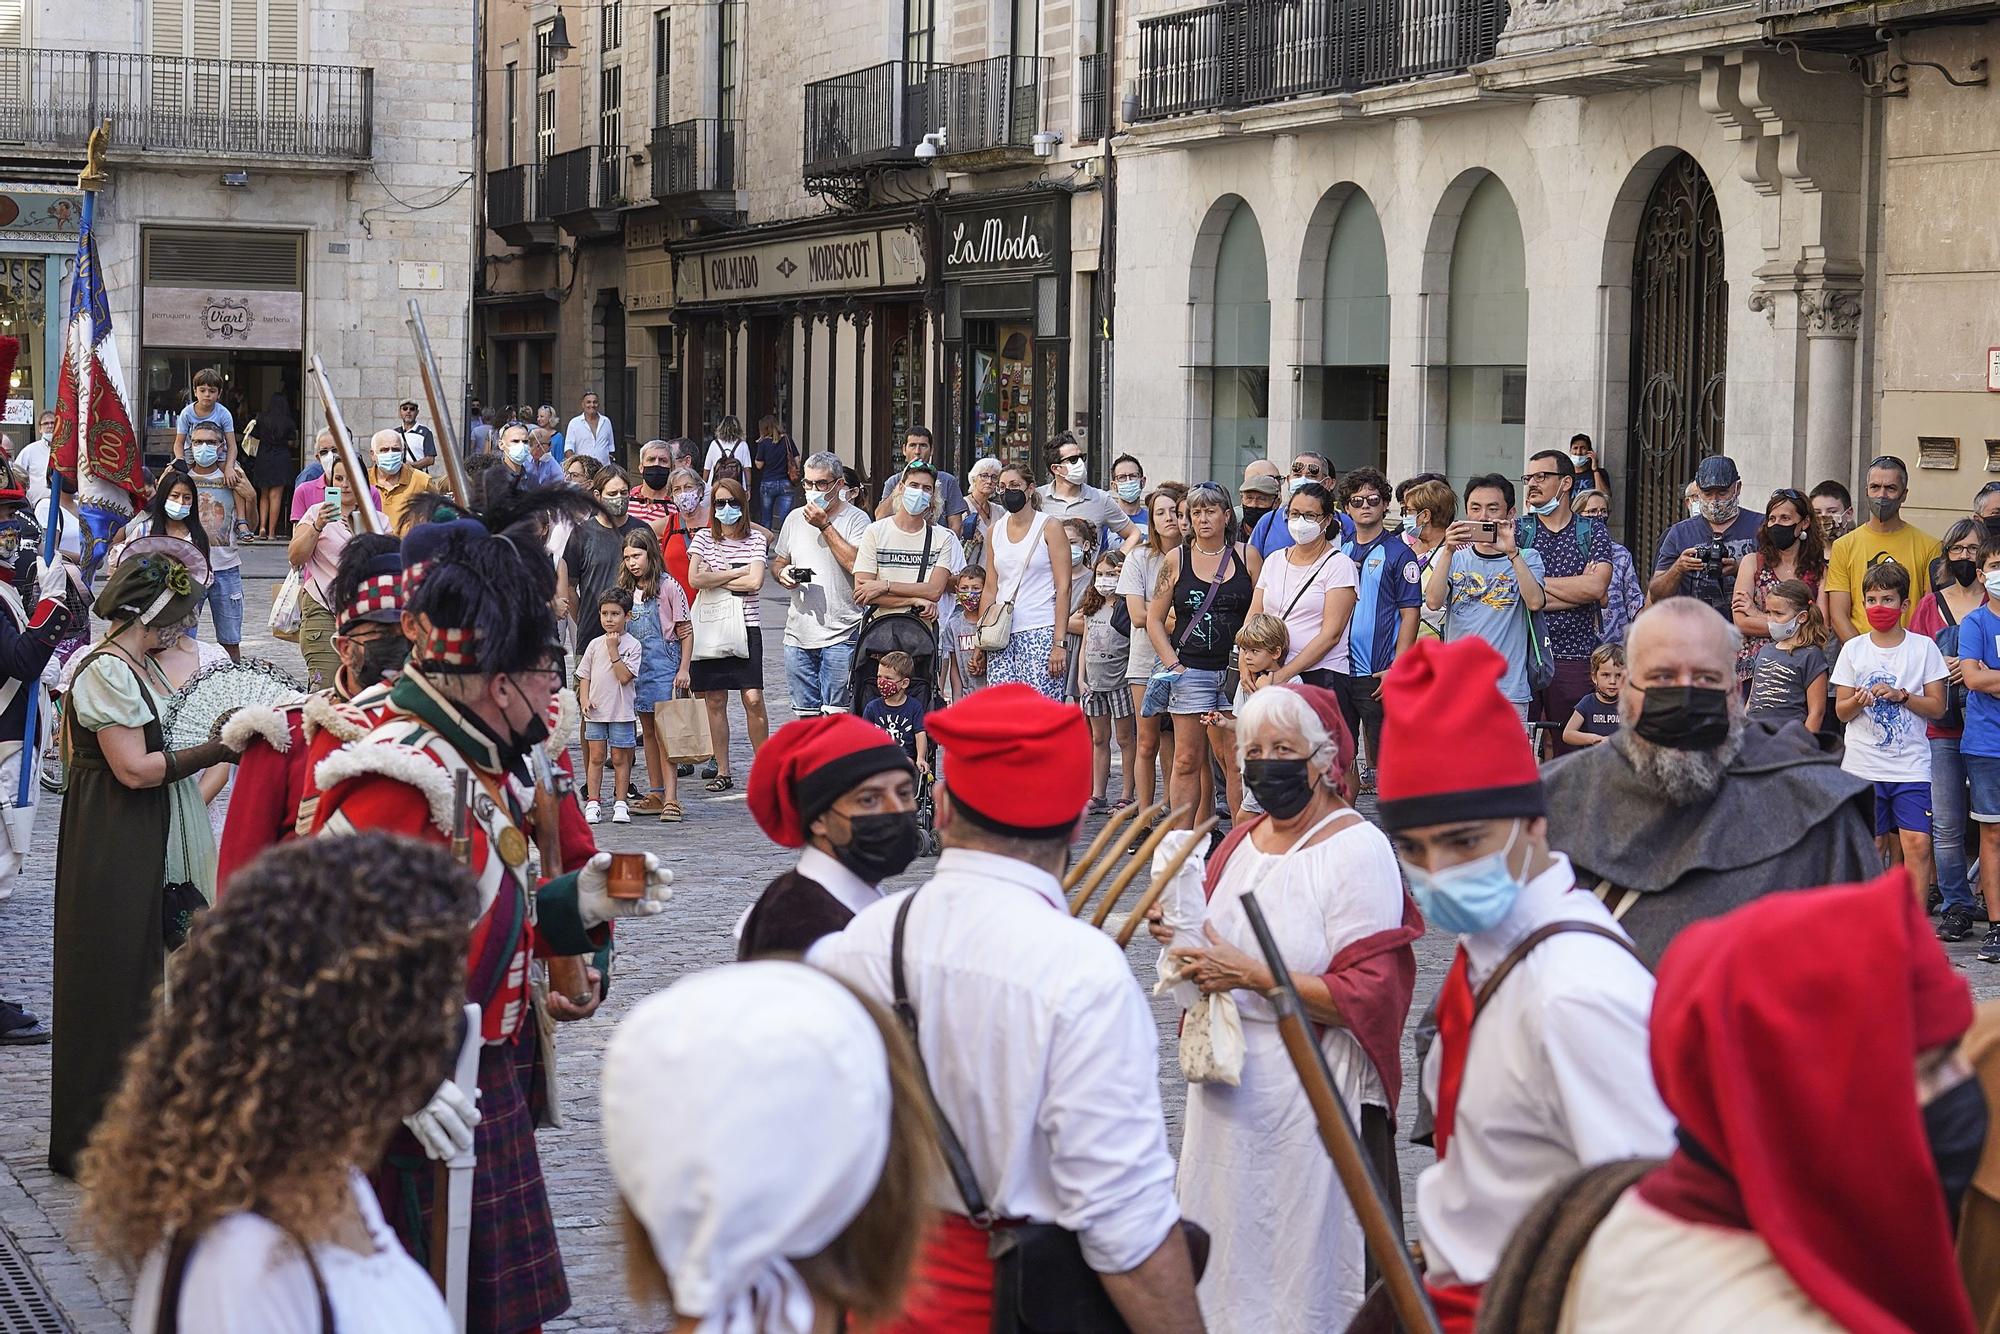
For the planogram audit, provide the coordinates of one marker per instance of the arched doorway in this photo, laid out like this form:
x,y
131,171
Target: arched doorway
x,y
1344,410
1240,362
1680,345
1486,339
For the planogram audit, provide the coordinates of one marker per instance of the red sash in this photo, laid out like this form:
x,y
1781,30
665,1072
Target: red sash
x,y
953,1290
1455,1010
1457,1305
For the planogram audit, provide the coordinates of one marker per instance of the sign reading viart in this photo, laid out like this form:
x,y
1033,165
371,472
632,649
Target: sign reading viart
x,y
864,261
217,317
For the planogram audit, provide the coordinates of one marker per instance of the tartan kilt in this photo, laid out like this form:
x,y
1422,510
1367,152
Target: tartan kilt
x,y
516,1276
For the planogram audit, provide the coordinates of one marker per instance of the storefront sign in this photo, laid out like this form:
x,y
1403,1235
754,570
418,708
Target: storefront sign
x,y
650,234
228,318
863,261
32,210
24,276
1021,235
649,282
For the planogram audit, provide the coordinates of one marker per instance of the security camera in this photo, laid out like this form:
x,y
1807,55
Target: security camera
x,y
1045,142
932,145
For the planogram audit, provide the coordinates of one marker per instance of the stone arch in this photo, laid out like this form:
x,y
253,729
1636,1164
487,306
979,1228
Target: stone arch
x,y
1229,344
1475,284
1343,324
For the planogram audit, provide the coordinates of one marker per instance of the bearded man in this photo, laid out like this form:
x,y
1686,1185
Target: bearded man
x,y
1692,809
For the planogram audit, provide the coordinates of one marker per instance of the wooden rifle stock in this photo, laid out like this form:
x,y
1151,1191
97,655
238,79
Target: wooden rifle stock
x,y
1343,1143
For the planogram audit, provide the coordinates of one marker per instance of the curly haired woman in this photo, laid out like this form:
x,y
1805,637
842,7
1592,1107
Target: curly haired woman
x,y
277,1080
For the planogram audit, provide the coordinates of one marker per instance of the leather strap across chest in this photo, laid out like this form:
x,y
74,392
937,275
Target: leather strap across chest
x,y
1527,947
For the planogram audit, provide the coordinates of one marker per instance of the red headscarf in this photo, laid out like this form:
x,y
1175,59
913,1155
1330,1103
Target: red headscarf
x,y
1784,1036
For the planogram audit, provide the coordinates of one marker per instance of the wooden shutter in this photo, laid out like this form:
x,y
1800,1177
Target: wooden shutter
x,y
11,23
167,34
283,35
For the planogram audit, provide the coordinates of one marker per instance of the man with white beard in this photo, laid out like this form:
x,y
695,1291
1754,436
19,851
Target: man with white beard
x,y
1692,809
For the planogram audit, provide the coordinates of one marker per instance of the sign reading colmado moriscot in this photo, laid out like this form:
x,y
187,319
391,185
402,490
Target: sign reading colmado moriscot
x,y
797,266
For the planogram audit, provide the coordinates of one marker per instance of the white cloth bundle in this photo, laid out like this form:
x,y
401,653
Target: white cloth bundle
x,y
1182,908
746,1119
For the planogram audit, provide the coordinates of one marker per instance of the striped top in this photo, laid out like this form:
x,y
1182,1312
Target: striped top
x,y
708,552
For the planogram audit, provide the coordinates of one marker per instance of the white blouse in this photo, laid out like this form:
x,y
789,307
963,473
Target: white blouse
x,y
246,1277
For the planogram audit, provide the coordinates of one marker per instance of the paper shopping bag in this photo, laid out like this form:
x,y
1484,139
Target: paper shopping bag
x,y
683,727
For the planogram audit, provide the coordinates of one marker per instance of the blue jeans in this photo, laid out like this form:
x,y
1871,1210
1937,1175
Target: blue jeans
x,y
1948,812
225,604
822,678
776,495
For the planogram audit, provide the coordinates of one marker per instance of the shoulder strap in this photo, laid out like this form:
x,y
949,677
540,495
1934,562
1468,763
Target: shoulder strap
x,y
1527,947
1286,614
1201,608
1944,610
180,1249
1027,556
924,560
954,1150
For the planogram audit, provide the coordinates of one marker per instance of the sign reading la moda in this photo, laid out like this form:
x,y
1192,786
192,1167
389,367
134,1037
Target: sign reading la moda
x,y
1005,236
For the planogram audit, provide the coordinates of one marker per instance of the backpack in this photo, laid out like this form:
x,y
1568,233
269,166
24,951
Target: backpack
x,y
1584,532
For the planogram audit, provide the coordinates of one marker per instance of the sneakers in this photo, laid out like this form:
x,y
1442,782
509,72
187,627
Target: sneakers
x,y
620,813
1956,925
1989,949
590,812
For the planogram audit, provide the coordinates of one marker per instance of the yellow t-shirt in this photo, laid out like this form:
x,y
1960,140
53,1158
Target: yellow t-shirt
x,y
1909,546
398,492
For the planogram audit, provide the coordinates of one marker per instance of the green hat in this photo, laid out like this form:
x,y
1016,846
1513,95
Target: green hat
x,y
159,580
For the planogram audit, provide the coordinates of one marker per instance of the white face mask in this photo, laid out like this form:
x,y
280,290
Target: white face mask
x,y
1303,530
1073,472
1694,509
1107,584
1075,554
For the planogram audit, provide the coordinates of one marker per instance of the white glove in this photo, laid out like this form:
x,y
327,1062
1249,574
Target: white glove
x,y
444,1126
51,581
593,893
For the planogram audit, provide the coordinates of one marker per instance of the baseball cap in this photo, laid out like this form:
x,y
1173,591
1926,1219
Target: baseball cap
x,y
1714,472
1261,485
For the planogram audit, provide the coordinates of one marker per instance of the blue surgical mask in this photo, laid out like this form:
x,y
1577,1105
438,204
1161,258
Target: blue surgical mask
x,y
1129,492
205,455
1546,508
390,461
819,500
915,501
518,451
178,510
1468,898
728,514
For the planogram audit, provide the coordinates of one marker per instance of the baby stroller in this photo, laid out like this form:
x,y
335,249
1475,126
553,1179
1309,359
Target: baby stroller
x,y
906,632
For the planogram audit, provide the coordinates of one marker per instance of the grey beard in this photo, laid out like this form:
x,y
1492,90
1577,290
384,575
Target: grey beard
x,y
1683,777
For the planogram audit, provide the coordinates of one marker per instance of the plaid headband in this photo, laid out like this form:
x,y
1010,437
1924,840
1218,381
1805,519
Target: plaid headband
x,y
380,598
446,649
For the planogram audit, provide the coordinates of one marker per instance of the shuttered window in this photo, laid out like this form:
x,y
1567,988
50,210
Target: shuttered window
x,y
189,257
270,30
13,31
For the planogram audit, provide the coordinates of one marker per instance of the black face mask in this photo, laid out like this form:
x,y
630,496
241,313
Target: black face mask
x,y
1955,1125
515,746
1684,717
1886,507
1992,527
1014,500
879,846
379,658
1282,787
656,477
1782,535
1962,571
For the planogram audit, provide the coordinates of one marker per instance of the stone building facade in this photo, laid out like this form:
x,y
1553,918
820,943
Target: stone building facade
x,y
1446,234
284,180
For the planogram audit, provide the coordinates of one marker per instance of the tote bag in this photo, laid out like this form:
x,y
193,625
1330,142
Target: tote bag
x,y
719,628
682,726
285,609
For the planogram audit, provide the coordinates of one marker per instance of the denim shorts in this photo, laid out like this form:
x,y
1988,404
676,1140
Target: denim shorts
x,y
1983,773
225,604
1197,690
622,736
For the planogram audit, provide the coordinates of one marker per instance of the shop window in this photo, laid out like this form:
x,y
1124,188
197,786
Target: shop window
x,y
1003,386
1487,338
1240,381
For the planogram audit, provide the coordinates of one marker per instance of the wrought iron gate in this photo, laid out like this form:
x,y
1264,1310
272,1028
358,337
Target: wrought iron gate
x,y
1680,345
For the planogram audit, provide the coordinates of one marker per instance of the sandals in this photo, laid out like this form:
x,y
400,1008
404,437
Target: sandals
x,y
671,813
720,783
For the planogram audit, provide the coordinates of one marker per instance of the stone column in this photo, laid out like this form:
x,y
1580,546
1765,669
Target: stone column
x,y
524,372
1830,318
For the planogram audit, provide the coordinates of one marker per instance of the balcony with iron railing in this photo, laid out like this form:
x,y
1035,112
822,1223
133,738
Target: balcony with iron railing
x,y
878,115
698,164
1093,109
1245,52
184,106
515,205
585,189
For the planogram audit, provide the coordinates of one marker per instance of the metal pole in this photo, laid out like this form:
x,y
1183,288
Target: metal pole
x,y
357,476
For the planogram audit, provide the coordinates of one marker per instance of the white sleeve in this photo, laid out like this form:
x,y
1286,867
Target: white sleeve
x,y
1933,665
1843,665
1114,1177
1595,1047
864,552
952,554
243,1278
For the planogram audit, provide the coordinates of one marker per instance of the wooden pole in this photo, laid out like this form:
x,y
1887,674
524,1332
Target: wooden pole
x,y
447,435
1106,863
1082,864
1341,1140
343,443
1140,860
1160,881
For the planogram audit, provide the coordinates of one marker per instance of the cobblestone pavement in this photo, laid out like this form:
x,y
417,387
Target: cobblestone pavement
x,y
720,860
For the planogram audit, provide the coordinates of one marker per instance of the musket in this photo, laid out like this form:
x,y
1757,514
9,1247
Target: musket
x,y
1404,1288
1140,860
447,435
357,476
1162,880
1105,863
1082,864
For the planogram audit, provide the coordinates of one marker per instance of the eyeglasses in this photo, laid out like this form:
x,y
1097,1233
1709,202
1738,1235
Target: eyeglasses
x,y
1069,458
1369,502
1533,477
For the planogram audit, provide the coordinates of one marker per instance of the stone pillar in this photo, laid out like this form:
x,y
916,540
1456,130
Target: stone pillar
x,y
1830,318
524,372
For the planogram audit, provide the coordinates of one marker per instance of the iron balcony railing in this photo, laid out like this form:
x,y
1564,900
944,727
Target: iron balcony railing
x,y
883,112
584,179
1245,52
1093,111
697,156
172,104
514,196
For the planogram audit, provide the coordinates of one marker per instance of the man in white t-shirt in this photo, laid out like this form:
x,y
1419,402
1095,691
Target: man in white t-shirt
x,y
34,460
907,560
589,433
814,558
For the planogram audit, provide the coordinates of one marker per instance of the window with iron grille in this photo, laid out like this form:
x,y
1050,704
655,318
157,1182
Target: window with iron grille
x,y
545,124
545,59
512,85
611,24
726,55
610,133
663,65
